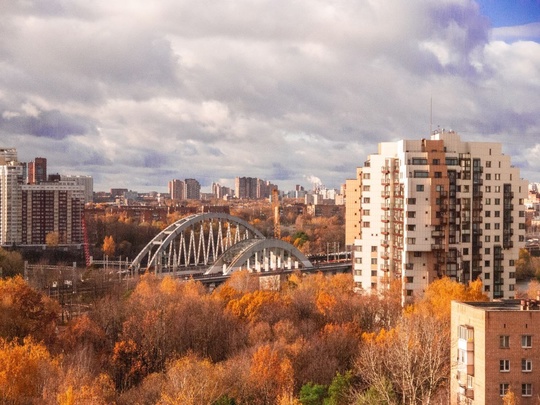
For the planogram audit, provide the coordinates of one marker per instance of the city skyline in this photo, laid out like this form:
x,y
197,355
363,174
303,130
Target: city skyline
x,y
139,94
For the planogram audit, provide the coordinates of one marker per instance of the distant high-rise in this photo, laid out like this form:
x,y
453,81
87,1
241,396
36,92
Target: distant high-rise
x,y
192,189
11,181
422,209
37,171
253,188
86,181
176,189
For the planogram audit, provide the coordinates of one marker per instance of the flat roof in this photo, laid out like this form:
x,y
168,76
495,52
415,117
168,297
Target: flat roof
x,y
502,305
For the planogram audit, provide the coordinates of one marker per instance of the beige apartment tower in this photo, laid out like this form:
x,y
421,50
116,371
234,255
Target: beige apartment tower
x,y
495,347
423,209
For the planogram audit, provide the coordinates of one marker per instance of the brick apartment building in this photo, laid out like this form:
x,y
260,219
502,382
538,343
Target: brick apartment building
x,y
495,348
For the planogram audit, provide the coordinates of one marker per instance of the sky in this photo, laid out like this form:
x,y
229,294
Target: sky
x,y
136,93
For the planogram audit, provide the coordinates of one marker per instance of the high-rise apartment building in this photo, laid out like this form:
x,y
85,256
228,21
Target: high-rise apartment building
x,y
495,348
86,181
37,171
422,209
52,207
176,189
192,189
11,181
253,188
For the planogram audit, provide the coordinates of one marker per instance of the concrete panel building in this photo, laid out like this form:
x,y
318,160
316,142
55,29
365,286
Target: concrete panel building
x,y
422,209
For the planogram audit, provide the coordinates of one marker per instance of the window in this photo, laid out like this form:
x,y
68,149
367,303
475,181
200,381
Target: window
x,y
487,276
526,390
504,341
488,176
365,212
497,176
488,163
487,238
411,214
438,175
497,201
373,249
417,254
373,273
526,365
411,227
358,260
436,161
409,279
487,251
419,187
526,341
503,389
411,201
488,201
488,189
497,214
497,238
497,225
374,260
367,176
419,161
365,188
486,263
504,366
487,227
366,200
411,241
487,213
421,174
365,224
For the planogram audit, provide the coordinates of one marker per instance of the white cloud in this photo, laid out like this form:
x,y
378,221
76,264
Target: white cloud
x,y
140,93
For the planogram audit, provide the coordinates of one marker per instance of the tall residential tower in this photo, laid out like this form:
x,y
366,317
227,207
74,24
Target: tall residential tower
x,y
422,209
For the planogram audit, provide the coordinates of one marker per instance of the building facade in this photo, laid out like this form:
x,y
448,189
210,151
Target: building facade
x,y
86,181
422,209
495,348
37,171
56,207
11,181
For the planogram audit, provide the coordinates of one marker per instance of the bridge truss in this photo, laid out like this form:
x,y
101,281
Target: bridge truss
x,y
216,243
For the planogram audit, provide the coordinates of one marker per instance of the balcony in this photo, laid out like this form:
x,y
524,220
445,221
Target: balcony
x,y
385,181
385,206
385,169
385,194
385,255
385,218
385,243
437,246
385,231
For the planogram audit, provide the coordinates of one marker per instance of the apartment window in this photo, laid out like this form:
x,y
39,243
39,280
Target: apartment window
x,y
411,214
488,163
497,189
419,187
526,341
436,161
487,226
366,188
417,254
504,341
367,176
526,390
365,224
487,238
358,248
374,249
488,176
487,251
374,260
497,201
486,263
422,174
373,273
358,272
487,276
488,201
512,274
411,227
497,238
411,201
411,241
366,200
419,161
504,366
503,389
526,365
409,279
365,212
497,225
487,213
497,214
512,262
438,175
358,260
497,176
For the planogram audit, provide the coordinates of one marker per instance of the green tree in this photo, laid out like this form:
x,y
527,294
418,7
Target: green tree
x,y
313,394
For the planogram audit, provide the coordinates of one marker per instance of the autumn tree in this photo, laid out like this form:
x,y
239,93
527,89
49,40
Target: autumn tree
x,y
11,263
109,246
26,312
52,239
25,370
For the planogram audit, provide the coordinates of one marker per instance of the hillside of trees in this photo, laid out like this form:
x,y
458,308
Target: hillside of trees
x,y
312,341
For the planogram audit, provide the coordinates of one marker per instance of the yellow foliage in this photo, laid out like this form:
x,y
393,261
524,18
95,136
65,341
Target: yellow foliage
x,y
24,371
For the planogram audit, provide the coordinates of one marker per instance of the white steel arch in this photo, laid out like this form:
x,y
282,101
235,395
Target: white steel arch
x,y
172,248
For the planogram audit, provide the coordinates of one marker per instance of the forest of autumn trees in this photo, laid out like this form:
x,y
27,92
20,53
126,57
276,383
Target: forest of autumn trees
x,y
312,341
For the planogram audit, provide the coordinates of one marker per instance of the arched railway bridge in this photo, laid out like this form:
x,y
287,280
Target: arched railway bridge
x,y
216,244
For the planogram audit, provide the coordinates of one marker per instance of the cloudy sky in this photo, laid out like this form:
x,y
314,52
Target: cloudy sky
x,y
139,92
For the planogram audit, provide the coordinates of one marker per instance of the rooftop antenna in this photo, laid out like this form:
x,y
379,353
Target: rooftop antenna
x,y
431,116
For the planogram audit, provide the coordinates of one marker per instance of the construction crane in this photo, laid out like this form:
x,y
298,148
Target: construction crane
x,y
276,208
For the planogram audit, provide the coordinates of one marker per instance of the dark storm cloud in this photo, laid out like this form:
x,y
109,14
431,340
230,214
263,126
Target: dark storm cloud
x,y
49,124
